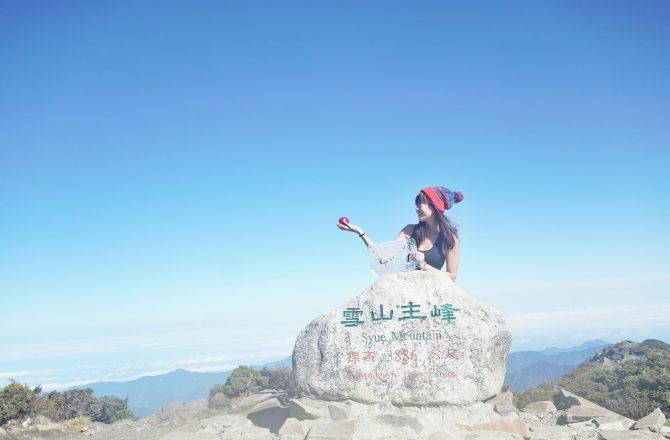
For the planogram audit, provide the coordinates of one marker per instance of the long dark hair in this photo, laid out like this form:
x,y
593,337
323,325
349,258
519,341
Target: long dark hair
x,y
447,232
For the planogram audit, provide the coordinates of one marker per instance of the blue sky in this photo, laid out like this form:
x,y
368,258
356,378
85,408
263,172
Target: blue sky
x,y
171,173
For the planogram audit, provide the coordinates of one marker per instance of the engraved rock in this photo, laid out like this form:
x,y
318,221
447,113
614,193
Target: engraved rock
x,y
412,338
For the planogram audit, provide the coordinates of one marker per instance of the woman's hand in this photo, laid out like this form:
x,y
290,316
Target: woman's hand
x,y
350,228
420,258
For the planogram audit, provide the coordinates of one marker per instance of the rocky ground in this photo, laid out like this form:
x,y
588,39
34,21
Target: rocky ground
x,y
272,416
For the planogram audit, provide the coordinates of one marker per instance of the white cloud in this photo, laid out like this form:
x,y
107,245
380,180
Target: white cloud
x,y
572,284
122,372
173,339
577,324
616,317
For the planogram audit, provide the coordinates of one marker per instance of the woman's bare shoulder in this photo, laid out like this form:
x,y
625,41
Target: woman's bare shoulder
x,y
406,232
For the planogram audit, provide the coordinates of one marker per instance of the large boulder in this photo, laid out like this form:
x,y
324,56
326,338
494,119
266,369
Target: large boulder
x,y
412,338
653,422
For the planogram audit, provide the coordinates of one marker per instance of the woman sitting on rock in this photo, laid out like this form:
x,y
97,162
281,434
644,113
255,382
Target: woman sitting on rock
x,y
436,237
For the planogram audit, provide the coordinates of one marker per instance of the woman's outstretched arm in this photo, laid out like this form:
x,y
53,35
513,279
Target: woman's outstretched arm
x,y
358,230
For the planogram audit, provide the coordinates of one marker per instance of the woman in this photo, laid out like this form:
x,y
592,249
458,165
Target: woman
x,y
436,238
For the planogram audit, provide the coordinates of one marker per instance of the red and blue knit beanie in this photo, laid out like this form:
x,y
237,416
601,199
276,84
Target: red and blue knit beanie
x,y
442,197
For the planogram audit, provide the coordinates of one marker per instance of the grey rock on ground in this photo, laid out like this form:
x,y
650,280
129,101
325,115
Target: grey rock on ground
x,y
612,424
504,398
541,407
505,409
323,420
179,435
627,435
653,422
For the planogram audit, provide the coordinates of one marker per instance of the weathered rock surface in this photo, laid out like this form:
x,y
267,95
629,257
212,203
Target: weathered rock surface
x,y
514,426
653,422
504,398
540,408
504,410
412,338
341,430
378,421
612,424
179,435
627,435
578,409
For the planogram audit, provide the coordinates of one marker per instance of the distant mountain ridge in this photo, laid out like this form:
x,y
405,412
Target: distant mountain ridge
x,y
583,346
148,393
526,369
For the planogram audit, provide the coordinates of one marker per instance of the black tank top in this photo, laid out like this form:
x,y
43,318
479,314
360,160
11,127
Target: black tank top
x,y
434,255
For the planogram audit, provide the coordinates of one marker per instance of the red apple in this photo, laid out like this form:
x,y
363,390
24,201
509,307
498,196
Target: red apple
x,y
343,220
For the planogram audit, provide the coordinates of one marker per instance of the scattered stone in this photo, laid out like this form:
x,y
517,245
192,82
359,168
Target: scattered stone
x,y
565,399
583,410
246,403
443,435
492,436
178,413
306,408
337,413
247,433
505,410
585,425
627,435
180,435
218,424
47,427
269,414
553,432
342,430
540,408
294,429
581,407
400,421
613,424
370,430
653,422
504,398
422,359
513,426
576,414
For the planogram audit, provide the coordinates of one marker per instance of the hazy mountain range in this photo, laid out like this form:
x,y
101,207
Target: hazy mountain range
x,y
525,369
629,378
148,393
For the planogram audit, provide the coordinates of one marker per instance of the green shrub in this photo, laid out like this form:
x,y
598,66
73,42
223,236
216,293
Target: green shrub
x,y
541,392
52,406
77,402
109,409
77,424
17,401
243,380
282,379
